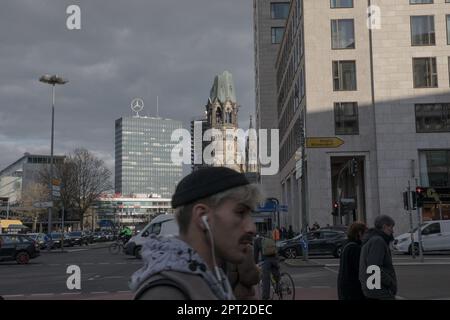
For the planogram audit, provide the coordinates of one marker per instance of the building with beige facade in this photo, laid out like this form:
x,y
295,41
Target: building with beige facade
x,y
381,86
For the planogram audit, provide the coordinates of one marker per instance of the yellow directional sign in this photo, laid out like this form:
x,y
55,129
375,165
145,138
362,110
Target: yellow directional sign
x,y
324,142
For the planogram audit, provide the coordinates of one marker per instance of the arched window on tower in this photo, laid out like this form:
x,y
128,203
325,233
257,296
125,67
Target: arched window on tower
x,y
219,115
229,117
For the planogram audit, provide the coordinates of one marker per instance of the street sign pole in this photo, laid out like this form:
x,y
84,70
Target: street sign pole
x,y
419,232
410,206
7,209
62,225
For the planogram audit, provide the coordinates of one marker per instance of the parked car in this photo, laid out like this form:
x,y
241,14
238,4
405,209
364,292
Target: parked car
x,y
89,236
56,238
335,228
41,238
78,238
18,247
320,242
162,225
109,235
435,237
99,236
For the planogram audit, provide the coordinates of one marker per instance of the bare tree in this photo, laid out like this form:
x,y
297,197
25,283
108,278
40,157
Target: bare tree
x,y
84,178
89,178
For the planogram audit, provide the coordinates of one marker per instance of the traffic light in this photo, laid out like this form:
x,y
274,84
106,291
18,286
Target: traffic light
x,y
335,209
420,196
354,167
413,200
409,200
405,200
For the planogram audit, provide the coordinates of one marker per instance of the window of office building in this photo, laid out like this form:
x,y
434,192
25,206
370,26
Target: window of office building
x,y
425,72
346,118
448,63
344,75
277,34
279,10
342,34
422,31
433,117
422,1
341,3
435,168
448,27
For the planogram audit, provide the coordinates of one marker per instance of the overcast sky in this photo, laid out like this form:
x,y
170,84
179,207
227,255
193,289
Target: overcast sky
x,y
125,49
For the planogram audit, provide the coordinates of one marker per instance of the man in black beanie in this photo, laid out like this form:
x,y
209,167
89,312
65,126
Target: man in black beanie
x,y
213,210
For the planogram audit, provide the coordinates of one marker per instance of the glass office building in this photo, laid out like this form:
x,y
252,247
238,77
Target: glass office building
x,y
143,156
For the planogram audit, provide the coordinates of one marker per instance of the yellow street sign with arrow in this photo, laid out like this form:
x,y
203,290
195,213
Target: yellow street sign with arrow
x,y
324,142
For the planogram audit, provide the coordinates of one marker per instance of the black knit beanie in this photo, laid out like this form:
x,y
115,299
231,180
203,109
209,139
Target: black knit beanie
x,y
206,182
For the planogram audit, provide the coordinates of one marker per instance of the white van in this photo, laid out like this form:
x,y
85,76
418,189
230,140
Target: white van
x,y
163,225
435,237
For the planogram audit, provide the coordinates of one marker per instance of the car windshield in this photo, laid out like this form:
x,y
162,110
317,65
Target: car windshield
x,y
415,229
76,234
56,235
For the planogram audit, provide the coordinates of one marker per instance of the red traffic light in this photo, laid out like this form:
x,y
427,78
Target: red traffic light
x,y
335,205
419,190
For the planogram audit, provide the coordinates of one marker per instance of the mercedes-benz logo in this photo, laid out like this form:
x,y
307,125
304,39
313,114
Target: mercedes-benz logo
x,y
137,105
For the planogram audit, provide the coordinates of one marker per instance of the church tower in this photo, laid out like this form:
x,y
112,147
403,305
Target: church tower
x,y
222,114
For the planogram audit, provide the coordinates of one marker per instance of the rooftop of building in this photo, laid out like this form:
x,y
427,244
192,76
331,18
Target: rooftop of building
x,y
26,156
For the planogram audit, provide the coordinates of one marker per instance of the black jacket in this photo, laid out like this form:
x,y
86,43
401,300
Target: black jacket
x,y
349,287
375,251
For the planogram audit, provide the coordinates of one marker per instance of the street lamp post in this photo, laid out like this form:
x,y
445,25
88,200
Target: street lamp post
x,y
52,80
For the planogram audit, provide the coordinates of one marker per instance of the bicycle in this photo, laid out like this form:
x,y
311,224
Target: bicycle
x,y
116,247
284,289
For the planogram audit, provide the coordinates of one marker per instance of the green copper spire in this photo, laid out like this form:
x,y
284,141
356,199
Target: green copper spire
x,y
223,88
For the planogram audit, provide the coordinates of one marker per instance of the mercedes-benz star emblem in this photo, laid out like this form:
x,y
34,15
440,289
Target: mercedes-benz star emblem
x,y
137,105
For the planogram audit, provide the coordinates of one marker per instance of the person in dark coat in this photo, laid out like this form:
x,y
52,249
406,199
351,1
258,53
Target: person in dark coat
x,y
349,286
375,251
290,233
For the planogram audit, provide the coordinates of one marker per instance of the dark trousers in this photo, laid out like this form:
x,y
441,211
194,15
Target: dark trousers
x,y
270,266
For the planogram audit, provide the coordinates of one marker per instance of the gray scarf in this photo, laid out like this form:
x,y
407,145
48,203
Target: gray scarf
x,y
172,254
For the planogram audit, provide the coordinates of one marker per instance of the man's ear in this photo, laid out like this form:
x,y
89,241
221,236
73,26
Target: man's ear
x,y
198,211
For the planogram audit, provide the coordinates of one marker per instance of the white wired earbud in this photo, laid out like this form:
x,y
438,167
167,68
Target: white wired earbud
x,y
216,268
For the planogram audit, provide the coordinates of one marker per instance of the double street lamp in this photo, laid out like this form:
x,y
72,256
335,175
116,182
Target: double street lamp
x,y
53,80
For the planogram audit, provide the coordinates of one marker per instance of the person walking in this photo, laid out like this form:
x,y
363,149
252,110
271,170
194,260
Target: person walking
x,y
276,234
349,287
290,233
375,251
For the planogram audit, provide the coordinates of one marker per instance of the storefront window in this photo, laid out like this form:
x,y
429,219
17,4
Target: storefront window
x,y
435,168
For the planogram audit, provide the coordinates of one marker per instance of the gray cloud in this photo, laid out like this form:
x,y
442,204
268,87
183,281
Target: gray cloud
x,y
146,48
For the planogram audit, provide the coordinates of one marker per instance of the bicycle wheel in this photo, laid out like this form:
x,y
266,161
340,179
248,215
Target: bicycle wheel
x,y
286,287
271,292
114,248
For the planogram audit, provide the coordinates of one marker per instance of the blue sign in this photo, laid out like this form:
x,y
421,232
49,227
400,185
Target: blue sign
x,y
271,206
106,224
